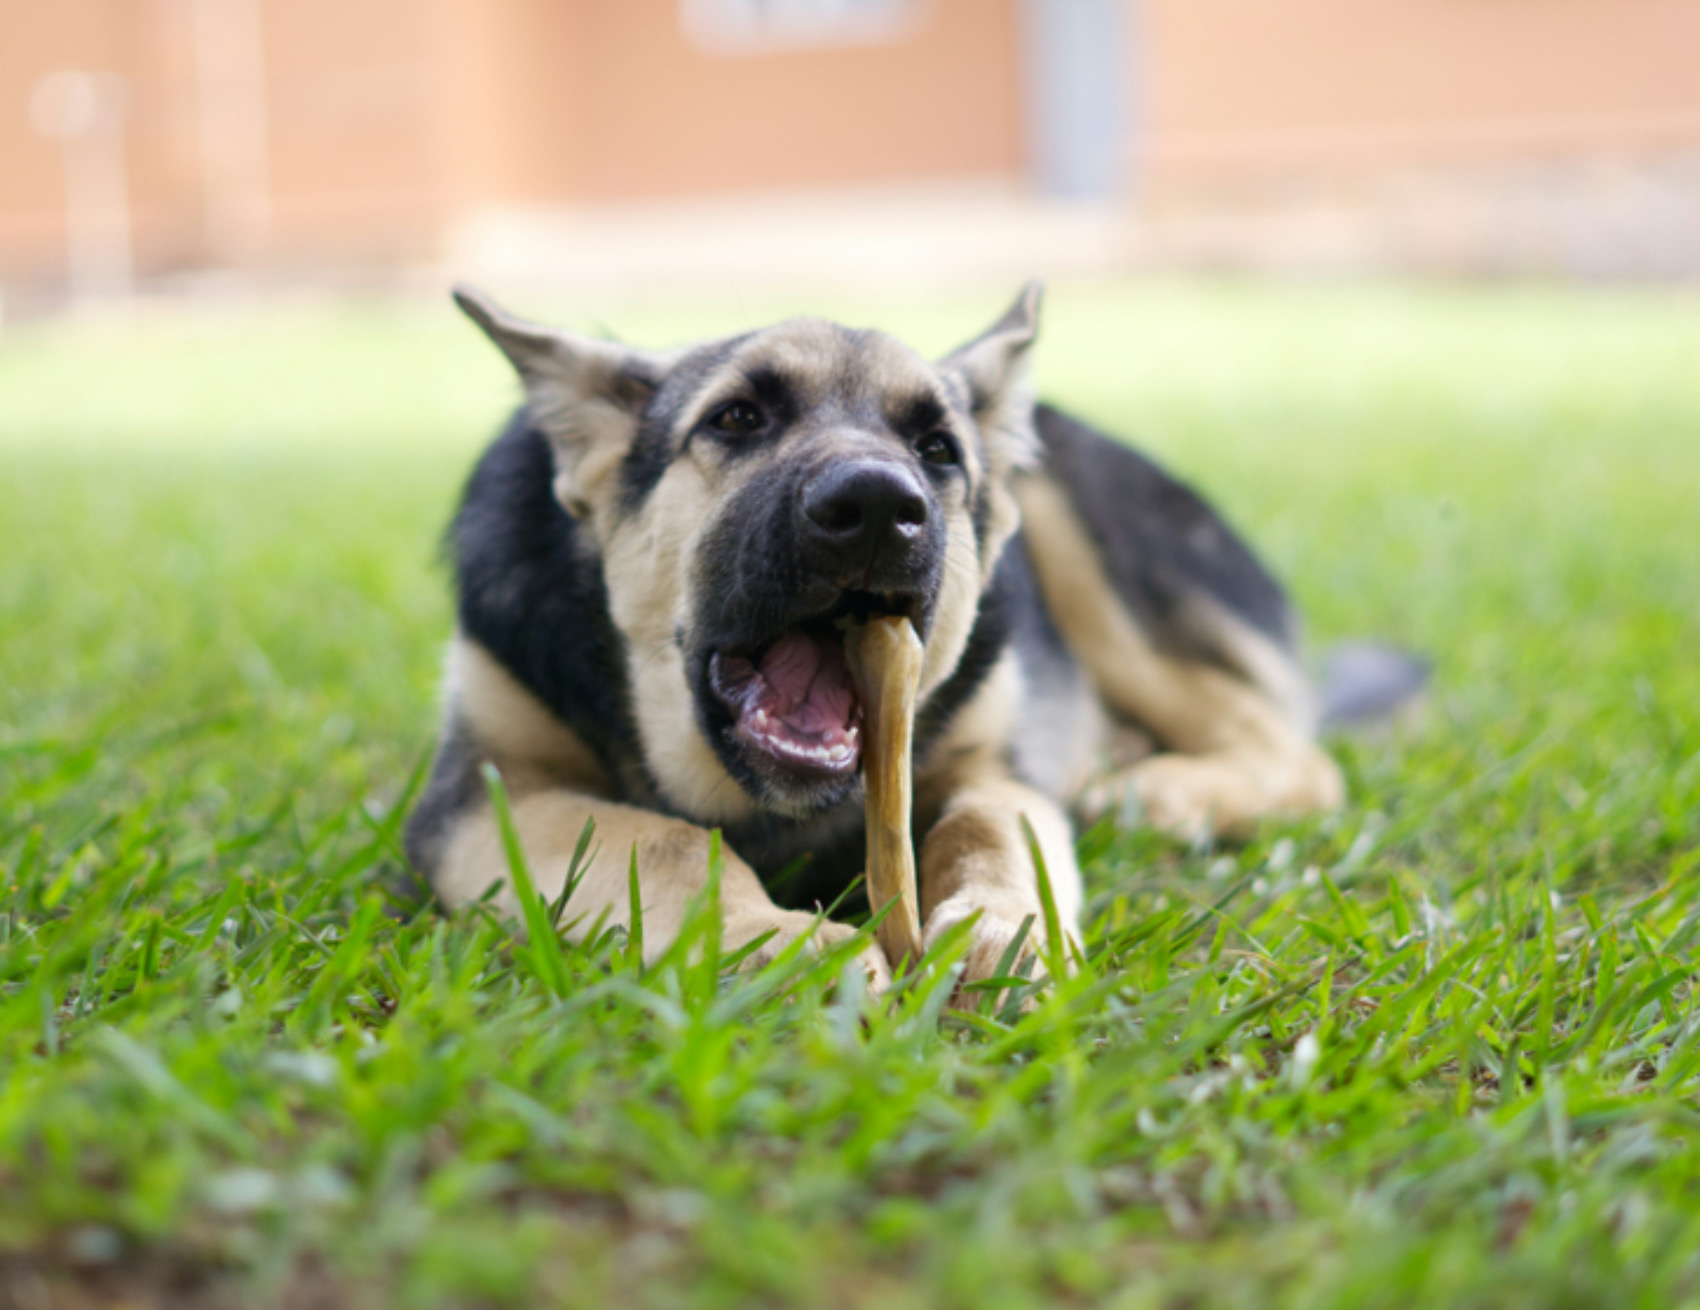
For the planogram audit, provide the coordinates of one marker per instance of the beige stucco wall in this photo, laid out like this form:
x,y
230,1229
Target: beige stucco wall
x,y
385,119
586,100
353,154
109,36
350,157
1243,88
664,117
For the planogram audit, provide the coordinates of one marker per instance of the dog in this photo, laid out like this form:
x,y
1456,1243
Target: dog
x,y
653,562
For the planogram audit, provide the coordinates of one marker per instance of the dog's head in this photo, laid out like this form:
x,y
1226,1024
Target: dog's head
x,y
748,496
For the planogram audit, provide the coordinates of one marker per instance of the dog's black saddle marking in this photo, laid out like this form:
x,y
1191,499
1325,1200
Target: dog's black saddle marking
x,y
1158,538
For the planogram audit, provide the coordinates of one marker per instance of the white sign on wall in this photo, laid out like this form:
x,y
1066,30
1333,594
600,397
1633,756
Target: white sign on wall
x,y
764,26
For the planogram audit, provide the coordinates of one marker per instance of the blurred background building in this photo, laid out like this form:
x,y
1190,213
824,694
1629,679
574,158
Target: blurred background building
x,y
623,142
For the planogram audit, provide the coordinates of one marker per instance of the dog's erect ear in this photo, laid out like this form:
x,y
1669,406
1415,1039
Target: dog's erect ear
x,y
586,395
994,370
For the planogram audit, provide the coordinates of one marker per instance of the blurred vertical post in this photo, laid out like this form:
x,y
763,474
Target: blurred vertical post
x,y
84,112
1077,71
230,81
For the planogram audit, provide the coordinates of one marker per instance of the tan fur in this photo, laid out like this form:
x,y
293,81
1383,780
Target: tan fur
x,y
976,861
1257,659
586,396
1238,741
647,561
975,858
997,370
582,396
647,564
512,725
1238,757
672,855
975,741
556,784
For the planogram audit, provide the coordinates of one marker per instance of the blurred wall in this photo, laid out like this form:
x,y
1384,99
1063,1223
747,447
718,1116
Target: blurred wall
x,y
657,116
317,133
381,120
102,35
1491,137
313,139
1243,88
352,151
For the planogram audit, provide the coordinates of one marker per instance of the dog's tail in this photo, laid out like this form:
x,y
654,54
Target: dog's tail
x,y
1361,683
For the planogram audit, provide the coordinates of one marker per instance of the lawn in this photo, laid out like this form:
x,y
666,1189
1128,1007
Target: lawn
x,y
1442,1049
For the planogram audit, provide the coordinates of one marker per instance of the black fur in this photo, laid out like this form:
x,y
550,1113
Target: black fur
x,y
644,465
1159,540
761,573
916,416
453,788
531,593
652,447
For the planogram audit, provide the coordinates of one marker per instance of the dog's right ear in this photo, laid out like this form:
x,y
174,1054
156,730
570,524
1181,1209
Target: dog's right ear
x,y
586,395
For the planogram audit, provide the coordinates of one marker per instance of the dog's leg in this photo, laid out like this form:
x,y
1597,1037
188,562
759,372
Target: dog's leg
x,y
1233,753
672,862
976,860
1233,720
1250,766
555,784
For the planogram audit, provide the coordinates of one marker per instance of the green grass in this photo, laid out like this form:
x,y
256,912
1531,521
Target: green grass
x,y
1441,1050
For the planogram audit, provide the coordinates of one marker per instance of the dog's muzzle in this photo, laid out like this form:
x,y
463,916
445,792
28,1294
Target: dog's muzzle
x,y
856,538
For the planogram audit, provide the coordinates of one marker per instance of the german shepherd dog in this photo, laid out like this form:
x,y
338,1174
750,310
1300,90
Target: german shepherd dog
x,y
652,563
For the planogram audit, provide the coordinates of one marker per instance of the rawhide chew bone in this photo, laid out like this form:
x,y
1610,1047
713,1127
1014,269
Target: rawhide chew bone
x,y
885,660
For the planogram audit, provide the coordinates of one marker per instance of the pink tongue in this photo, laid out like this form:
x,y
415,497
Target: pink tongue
x,y
811,685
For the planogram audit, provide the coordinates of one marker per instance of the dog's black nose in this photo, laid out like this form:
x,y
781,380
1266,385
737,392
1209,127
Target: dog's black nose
x,y
858,512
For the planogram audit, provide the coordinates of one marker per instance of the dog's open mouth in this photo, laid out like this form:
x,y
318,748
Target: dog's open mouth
x,y
792,698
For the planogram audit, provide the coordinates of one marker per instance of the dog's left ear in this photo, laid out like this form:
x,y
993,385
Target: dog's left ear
x,y
586,395
994,371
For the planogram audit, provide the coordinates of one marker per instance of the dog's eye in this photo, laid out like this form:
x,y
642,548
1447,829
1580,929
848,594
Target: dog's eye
x,y
739,418
937,448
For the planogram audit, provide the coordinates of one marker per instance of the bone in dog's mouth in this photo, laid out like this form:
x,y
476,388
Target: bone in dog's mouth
x,y
791,696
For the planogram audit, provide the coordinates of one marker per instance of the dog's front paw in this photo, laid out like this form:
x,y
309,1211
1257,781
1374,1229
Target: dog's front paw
x,y
998,925
783,927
